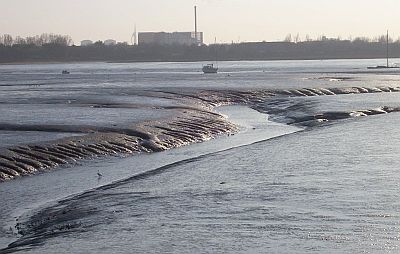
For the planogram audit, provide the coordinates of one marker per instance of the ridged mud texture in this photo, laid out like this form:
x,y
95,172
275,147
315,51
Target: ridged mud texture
x,y
256,100
321,118
190,126
216,98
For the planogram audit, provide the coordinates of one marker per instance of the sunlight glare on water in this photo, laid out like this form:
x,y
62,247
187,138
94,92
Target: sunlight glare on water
x,y
327,189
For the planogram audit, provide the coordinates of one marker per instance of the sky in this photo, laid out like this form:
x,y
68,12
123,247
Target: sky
x,y
226,20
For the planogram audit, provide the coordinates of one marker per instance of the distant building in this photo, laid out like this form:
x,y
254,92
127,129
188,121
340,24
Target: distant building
x,y
85,43
110,42
176,38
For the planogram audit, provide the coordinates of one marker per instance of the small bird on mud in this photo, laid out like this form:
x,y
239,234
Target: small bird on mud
x,y
99,174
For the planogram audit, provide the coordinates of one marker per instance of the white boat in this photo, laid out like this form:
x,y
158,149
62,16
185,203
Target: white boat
x,y
209,68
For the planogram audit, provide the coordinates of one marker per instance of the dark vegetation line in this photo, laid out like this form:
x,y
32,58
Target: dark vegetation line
x,y
58,48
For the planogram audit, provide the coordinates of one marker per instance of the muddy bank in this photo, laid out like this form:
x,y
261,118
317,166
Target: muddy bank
x,y
190,125
282,112
66,216
325,117
217,97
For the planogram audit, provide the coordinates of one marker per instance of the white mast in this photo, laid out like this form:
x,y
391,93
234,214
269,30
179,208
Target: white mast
x,y
134,37
195,25
387,49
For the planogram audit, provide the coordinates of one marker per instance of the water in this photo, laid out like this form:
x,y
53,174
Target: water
x,y
273,188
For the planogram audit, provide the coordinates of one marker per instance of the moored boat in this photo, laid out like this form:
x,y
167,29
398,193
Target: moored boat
x,y
387,66
209,68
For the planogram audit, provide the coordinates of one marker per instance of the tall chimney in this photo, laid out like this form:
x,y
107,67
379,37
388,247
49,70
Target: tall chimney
x,y
195,25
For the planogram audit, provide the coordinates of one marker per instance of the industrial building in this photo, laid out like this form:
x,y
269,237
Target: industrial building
x,y
176,38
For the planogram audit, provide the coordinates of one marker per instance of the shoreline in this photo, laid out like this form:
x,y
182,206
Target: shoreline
x,y
186,61
140,194
189,125
239,108
257,130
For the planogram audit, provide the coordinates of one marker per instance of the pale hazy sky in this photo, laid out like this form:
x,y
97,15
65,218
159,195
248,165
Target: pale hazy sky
x,y
244,20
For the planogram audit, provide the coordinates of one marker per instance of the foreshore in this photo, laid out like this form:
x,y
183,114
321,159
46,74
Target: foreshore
x,y
190,125
243,121
43,189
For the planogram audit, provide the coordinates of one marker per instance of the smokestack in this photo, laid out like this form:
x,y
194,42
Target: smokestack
x,y
195,24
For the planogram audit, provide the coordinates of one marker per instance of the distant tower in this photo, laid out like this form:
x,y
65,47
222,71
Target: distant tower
x,y
134,37
195,25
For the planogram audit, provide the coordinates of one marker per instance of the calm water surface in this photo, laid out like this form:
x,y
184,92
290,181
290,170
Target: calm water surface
x,y
328,189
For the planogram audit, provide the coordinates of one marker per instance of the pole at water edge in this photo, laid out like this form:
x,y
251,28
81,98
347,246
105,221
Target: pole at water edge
x,y
195,25
387,49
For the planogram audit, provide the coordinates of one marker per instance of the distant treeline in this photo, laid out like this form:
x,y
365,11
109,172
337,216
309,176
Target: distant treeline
x,y
38,40
57,48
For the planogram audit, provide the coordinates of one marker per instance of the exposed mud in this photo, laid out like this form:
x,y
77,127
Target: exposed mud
x,y
190,125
